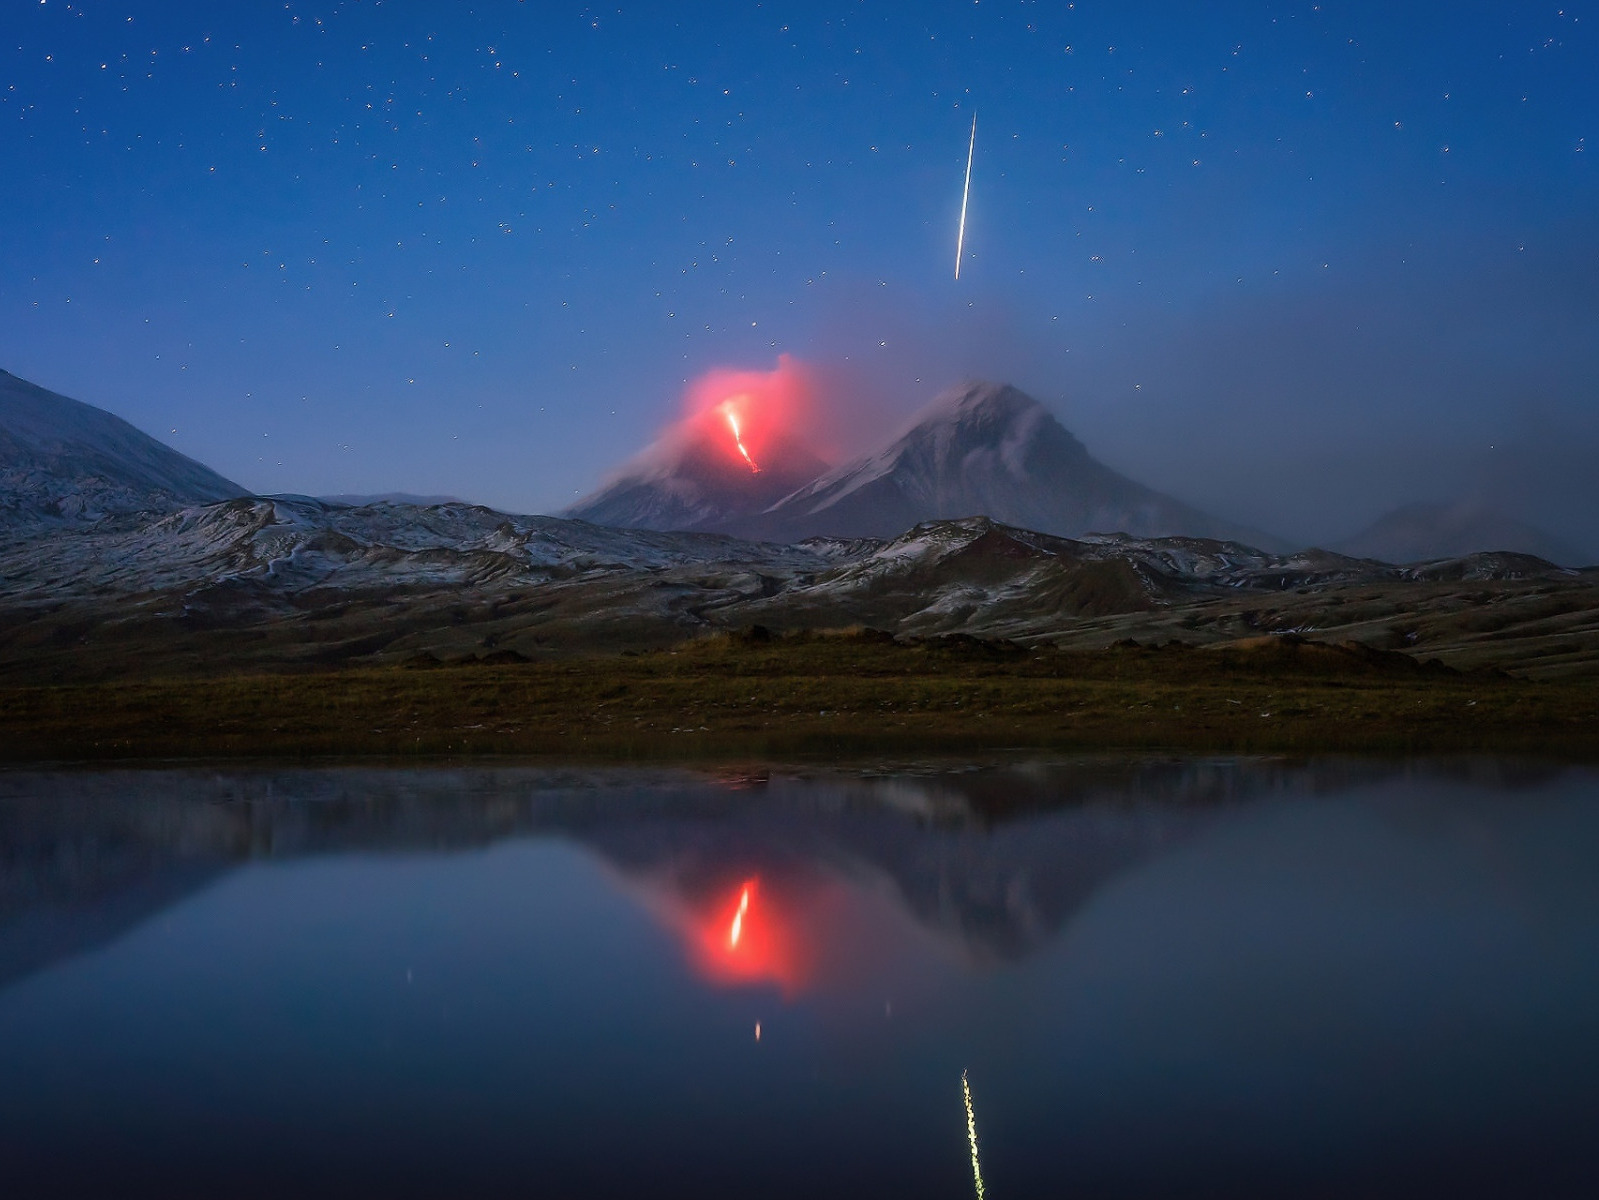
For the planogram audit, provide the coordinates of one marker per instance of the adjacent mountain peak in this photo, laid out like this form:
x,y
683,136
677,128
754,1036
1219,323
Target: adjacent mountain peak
x,y
63,459
987,449
981,426
980,402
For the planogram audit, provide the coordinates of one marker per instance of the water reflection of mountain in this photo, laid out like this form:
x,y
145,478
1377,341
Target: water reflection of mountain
x,y
995,858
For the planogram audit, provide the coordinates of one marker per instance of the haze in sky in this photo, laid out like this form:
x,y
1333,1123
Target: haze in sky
x,y
1295,263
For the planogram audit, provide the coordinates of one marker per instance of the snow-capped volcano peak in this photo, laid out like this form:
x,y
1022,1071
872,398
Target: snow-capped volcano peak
x,y
977,403
975,430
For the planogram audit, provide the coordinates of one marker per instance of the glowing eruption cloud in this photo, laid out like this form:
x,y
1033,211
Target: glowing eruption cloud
x,y
736,933
755,415
966,194
971,1136
738,438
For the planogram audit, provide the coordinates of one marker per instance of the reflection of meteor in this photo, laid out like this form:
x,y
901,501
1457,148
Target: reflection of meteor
x,y
738,440
971,1136
966,194
737,931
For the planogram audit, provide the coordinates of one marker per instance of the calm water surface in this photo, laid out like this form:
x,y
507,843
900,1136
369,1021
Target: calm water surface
x,y
1160,977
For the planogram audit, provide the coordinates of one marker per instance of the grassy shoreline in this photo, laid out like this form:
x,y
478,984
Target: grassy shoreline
x,y
807,696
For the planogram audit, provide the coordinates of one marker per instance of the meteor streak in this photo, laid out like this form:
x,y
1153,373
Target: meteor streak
x,y
966,194
738,440
971,1136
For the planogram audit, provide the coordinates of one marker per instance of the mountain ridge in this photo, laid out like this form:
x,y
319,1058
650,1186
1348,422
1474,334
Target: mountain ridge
x,y
290,582
62,459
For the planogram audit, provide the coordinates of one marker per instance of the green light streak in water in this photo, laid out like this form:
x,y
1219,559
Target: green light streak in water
x,y
971,1136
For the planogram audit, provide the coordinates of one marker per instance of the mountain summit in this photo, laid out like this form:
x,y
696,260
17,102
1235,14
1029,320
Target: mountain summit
x,y
61,458
992,450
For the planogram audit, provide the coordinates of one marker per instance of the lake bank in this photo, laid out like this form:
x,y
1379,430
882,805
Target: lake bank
x,y
755,696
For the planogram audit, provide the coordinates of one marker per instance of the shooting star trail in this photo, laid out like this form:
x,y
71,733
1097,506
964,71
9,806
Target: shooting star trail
x,y
966,194
971,1136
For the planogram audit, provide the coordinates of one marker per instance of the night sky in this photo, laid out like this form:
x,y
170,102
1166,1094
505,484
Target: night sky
x,y
1295,263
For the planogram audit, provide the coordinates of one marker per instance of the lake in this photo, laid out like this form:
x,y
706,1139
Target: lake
x,y
1127,976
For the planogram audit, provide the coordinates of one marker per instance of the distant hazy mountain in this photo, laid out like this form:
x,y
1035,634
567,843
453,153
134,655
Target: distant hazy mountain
x,y
361,499
985,449
60,458
699,484
1422,532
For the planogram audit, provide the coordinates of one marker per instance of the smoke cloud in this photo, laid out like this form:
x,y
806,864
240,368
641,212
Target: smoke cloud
x,y
1308,408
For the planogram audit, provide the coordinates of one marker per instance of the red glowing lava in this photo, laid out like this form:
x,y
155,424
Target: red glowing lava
x,y
752,413
747,938
738,438
795,929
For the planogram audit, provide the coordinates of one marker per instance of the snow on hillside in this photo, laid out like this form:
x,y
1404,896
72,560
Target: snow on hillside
x,y
297,545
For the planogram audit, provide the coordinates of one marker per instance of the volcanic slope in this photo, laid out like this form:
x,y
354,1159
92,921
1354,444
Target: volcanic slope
x,y
702,483
985,449
61,459
319,583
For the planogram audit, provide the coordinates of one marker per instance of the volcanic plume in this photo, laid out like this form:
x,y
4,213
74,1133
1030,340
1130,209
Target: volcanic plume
x,y
736,453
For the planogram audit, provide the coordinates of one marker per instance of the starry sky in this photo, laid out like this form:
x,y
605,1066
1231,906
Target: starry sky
x,y
1294,262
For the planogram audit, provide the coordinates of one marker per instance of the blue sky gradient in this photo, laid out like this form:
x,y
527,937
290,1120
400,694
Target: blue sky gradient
x,y
1293,262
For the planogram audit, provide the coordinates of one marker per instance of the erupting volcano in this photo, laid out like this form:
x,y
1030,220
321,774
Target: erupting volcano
x,y
734,455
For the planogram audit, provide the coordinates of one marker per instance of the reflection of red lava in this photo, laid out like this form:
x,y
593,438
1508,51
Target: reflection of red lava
x,y
735,934
745,939
798,929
